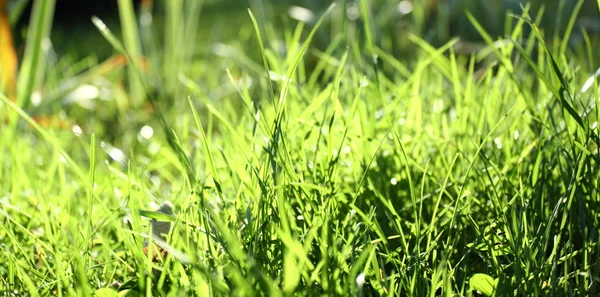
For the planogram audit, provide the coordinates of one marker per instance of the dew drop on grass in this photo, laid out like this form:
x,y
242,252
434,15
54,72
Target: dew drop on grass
x,y
38,231
147,132
346,149
300,13
155,180
498,142
324,131
46,44
153,148
394,181
405,7
77,130
452,114
222,50
36,98
516,134
82,94
401,121
438,105
379,113
116,154
364,82
146,19
248,82
360,280
352,11
374,165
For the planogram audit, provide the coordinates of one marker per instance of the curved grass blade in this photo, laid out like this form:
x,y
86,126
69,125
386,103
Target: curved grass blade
x,y
563,91
264,56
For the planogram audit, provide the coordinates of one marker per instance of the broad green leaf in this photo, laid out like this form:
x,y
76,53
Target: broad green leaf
x,y
483,283
106,292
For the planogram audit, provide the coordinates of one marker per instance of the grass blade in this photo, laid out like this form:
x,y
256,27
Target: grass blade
x,y
133,47
32,67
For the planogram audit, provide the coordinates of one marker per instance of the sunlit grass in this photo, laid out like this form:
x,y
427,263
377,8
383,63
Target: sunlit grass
x,y
344,171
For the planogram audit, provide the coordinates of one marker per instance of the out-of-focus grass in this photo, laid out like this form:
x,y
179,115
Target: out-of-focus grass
x,y
304,158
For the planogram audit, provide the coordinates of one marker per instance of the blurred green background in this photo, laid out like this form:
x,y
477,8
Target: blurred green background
x,y
225,39
435,20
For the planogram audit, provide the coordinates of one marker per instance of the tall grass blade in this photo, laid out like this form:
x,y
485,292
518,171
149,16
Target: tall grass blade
x,y
133,47
567,37
563,93
264,57
32,67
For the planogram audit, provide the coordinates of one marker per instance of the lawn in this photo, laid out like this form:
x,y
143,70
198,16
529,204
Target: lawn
x,y
305,152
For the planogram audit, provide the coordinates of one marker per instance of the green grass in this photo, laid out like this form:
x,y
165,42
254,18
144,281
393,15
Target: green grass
x,y
297,169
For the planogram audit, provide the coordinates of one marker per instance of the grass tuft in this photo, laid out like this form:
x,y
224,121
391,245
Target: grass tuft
x,y
298,167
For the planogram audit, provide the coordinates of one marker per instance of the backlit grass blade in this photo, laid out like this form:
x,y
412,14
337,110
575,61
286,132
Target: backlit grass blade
x,y
488,39
564,92
567,37
16,11
34,61
264,56
210,164
292,68
91,181
132,46
466,164
365,11
172,57
440,61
